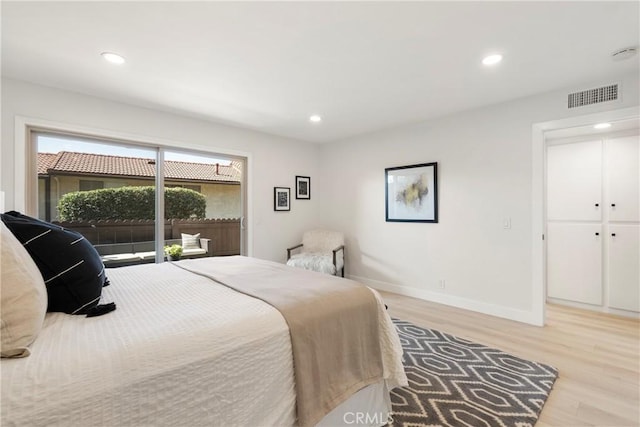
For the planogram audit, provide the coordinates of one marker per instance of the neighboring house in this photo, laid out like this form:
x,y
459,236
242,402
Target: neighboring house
x,y
66,172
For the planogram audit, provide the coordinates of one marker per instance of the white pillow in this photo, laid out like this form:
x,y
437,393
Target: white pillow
x,y
23,297
190,241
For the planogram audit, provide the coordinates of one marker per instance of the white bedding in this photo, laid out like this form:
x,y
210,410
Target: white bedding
x,y
203,355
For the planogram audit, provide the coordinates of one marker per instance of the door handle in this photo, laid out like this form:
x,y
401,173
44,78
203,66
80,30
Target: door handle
x,y
613,234
597,205
613,205
597,234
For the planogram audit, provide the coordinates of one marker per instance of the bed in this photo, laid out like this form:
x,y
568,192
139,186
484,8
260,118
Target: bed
x,y
184,349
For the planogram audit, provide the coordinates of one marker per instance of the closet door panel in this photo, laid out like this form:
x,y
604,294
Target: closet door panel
x,y
574,181
624,266
574,262
623,165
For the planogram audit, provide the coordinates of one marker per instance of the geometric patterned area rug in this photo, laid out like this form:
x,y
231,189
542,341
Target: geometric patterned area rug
x,y
455,382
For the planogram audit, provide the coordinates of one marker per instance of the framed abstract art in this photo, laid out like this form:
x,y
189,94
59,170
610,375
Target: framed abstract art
x,y
411,193
281,198
303,187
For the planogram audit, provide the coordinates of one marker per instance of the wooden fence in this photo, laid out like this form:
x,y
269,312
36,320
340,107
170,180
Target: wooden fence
x,y
224,233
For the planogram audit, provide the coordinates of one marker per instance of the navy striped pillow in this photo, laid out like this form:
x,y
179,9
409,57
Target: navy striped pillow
x,y
70,266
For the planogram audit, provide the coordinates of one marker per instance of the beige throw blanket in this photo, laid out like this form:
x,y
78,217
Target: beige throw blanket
x,y
333,324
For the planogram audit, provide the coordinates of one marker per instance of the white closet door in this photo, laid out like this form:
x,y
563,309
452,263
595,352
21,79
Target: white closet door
x,y
574,262
623,166
624,266
574,181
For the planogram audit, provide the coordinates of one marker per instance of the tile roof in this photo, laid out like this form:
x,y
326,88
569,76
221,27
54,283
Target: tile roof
x,y
45,160
68,163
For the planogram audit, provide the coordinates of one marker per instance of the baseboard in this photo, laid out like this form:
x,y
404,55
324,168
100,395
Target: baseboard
x,y
452,300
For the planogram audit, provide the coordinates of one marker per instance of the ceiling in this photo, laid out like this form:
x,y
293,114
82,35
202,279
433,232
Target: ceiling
x,y
362,66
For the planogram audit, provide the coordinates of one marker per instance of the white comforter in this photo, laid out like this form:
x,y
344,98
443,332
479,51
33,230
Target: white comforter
x,y
179,346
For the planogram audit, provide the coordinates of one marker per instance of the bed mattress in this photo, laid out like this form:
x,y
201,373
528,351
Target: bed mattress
x,y
181,347
100,371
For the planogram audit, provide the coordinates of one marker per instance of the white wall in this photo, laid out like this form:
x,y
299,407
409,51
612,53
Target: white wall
x,y
485,175
274,161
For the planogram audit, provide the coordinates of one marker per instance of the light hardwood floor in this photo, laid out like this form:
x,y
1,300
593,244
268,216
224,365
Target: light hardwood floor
x,y
597,356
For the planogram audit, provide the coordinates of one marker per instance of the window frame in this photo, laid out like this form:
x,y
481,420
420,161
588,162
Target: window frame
x,y
25,197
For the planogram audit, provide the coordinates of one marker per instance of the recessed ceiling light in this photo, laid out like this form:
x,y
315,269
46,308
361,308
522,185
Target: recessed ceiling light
x,y
114,58
602,126
315,118
492,59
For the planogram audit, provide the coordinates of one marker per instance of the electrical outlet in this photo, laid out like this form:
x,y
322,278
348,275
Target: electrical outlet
x,y
442,283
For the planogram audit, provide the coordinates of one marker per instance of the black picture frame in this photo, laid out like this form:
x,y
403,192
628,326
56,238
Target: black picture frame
x,y
411,193
303,187
281,198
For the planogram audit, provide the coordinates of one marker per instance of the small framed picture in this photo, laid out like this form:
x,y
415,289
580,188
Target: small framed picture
x,y
303,187
281,198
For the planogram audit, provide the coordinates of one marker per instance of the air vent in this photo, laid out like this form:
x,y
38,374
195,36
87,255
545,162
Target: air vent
x,y
593,96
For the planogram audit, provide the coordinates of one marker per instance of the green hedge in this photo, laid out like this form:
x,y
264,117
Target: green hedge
x,y
130,203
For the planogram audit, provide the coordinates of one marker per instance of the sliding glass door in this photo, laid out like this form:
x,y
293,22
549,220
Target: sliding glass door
x,y
107,190
203,204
